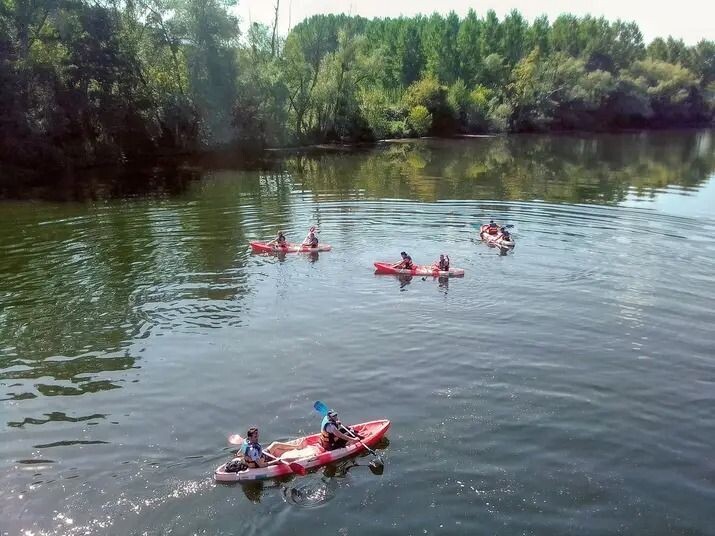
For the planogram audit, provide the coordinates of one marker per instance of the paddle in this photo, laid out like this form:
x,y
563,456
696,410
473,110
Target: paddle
x,y
436,269
297,468
377,462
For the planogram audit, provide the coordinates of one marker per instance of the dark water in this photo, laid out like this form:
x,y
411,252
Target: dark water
x,y
565,387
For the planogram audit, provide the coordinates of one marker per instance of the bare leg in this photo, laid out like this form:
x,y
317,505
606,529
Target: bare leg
x,y
278,449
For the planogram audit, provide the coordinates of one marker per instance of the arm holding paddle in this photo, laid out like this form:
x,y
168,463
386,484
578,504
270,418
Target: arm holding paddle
x,y
377,463
348,437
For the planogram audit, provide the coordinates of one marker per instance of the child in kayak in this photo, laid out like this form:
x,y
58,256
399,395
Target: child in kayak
x,y
505,235
331,433
252,455
443,263
405,263
252,450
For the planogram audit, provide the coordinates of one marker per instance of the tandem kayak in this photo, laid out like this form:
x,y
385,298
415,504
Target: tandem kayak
x,y
425,269
265,247
309,453
494,239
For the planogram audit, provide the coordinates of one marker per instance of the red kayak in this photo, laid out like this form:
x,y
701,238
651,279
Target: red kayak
x,y
307,452
425,269
265,247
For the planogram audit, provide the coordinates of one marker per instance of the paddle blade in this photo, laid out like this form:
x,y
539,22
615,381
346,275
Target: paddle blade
x,y
298,469
235,439
321,408
376,467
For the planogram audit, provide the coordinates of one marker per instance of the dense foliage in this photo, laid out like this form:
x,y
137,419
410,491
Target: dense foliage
x,y
111,81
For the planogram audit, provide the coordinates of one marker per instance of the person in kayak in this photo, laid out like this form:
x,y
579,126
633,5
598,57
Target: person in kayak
x,y
252,451
492,228
505,235
443,263
331,433
312,239
279,240
405,263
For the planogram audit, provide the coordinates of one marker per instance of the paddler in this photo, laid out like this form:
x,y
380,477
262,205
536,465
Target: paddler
x,y
443,263
312,239
252,450
331,433
405,263
505,235
279,240
492,228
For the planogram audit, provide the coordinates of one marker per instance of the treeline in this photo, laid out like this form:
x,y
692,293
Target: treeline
x,y
112,81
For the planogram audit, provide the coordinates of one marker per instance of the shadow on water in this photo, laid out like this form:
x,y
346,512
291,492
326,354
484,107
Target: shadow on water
x,y
311,491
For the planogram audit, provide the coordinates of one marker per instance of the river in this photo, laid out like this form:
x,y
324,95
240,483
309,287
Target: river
x,y
566,386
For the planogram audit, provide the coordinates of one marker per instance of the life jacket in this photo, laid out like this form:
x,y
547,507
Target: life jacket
x,y
244,451
444,265
313,242
281,240
327,440
493,230
407,262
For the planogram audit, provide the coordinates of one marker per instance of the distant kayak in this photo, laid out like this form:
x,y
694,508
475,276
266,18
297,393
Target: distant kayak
x,y
424,269
309,453
494,239
265,247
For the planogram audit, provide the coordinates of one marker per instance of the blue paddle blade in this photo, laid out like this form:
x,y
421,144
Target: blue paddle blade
x,y
321,408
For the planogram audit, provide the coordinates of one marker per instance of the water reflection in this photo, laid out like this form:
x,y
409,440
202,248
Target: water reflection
x,y
588,168
56,416
311,491
404,280
600,169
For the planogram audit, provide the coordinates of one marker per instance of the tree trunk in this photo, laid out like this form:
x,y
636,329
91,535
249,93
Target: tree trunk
x,y
275,24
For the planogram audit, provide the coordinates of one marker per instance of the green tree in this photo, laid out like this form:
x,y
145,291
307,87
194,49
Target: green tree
x,y
468,47
420,120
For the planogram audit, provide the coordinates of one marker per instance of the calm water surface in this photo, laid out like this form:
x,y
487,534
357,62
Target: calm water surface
x,y
564,387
